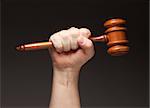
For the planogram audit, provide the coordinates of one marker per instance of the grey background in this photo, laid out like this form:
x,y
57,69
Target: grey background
x,y
105,81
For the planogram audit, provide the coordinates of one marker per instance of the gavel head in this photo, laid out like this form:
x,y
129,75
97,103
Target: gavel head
x,y
116,37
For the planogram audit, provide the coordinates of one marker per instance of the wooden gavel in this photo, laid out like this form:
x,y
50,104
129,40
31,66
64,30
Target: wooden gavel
x,y
114,36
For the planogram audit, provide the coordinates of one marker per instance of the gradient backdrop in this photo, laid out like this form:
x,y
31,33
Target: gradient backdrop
x,y
104,82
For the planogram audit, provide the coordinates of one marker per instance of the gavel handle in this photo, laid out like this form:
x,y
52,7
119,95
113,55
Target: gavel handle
x,y
45,45
101,38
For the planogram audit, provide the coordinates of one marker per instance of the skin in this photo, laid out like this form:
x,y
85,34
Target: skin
x,y
72,49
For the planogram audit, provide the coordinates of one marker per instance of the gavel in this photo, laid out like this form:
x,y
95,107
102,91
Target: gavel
x,y
114,37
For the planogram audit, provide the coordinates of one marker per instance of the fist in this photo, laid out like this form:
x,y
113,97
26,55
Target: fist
x,y
72,48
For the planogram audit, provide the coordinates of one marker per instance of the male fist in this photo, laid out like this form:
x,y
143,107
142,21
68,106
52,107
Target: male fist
x,y
72,48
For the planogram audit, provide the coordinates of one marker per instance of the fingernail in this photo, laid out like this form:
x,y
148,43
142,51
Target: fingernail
x,y
81,41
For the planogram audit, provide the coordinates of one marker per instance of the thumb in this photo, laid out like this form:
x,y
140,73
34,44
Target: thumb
x,y
86,45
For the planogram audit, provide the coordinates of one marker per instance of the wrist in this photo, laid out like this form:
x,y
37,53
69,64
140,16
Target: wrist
x,y
66,77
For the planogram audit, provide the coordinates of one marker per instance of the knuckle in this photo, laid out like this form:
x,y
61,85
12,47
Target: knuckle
x,y
73,28
51,37
54,36
74,31
54,40
62,32
74,44
66,47
74,47
59,48
85,31
65,37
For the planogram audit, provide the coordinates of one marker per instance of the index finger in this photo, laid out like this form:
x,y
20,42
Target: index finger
x,y
85,32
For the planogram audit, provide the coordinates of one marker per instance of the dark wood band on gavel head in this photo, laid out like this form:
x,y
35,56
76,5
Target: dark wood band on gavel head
x,y
116,37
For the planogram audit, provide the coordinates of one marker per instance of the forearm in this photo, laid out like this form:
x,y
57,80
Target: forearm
x,y
65,92
72,49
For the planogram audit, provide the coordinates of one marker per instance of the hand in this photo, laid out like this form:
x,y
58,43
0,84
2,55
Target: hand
x,y
72,49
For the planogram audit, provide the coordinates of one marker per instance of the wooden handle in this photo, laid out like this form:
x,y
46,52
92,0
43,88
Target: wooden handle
x,y
45,45
34,46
